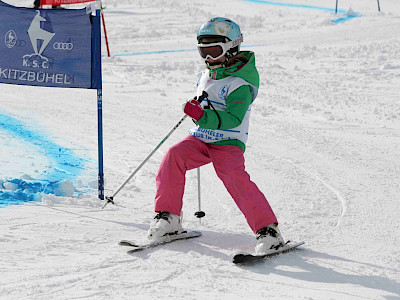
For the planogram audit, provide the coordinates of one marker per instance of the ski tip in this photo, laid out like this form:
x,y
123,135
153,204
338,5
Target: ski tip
x,y
195,233
240,258
127,243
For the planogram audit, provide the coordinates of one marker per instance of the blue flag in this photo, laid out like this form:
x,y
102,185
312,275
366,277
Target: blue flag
x,y
54,48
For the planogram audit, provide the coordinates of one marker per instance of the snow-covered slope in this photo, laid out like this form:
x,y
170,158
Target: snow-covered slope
x,y
324,146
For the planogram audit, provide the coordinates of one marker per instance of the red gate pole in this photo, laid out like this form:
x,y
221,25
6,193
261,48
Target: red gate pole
x,y
105,31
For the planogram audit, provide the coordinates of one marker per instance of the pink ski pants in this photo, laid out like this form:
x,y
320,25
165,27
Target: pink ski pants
x,y
228,161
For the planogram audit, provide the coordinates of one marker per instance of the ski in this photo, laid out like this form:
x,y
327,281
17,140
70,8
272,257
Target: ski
x,y
171,238
243,257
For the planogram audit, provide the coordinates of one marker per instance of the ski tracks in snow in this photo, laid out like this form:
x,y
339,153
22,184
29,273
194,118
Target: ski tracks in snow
x,y
337,194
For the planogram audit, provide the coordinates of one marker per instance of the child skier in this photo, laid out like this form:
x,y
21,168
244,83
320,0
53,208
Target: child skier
x,y
220,136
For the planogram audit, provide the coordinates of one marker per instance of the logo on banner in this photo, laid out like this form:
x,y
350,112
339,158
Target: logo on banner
x,y
11,39
63,46
37,35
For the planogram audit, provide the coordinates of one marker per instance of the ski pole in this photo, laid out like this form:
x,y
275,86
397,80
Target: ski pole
x,y
111,199
199,213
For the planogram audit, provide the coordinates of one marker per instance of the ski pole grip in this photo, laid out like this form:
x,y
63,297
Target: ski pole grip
x,y
203,96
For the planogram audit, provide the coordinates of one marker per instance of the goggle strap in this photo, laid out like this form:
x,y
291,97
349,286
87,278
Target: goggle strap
x,y
237,41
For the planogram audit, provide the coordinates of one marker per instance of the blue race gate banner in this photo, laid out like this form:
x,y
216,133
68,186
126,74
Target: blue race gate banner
x,y
53,48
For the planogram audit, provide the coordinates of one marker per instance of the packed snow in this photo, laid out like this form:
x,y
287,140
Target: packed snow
x,y
324,147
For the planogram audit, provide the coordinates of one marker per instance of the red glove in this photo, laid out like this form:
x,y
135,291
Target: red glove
x,y
193,109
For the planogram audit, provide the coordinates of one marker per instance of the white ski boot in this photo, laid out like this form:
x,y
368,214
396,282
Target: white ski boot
x,y
268,238
163,225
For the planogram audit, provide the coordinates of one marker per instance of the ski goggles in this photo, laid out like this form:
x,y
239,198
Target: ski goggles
x,y
217,50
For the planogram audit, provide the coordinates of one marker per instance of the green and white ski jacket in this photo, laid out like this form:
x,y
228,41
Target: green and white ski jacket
x,y
231,92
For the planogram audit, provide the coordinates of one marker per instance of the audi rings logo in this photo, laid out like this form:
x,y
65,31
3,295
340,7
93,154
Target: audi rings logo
x,y
63,46
10,39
